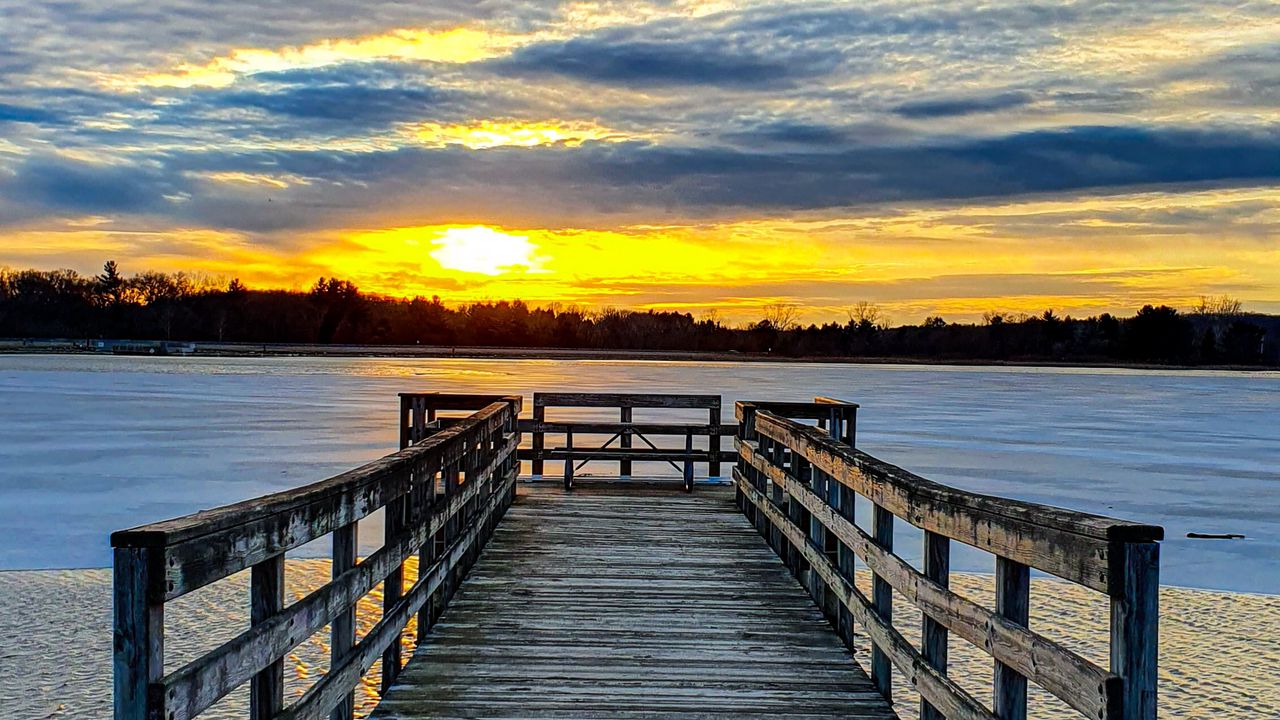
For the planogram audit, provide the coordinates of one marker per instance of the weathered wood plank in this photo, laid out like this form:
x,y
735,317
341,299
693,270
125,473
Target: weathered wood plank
x,y
317,702
882,598
199,684
823,452
1135,621
266,600
1013,603
618,400
625,431
447,444
1078,682
594,427
941,692
933,634
342,633
1072,556
620,605
138,633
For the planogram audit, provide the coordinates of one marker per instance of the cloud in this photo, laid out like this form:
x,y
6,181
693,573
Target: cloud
x,y
69,186
18,113
953,106
634,62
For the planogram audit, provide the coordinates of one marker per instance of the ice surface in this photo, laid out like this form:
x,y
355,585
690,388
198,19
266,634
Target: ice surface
x,y
92,444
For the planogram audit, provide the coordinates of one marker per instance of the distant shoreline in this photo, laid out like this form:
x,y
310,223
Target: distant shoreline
x,y
284,350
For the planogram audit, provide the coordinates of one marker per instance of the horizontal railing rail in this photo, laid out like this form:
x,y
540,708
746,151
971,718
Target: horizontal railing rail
x,y
442,496
625,431
799,484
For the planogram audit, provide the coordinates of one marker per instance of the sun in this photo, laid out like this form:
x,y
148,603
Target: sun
x,y
484,251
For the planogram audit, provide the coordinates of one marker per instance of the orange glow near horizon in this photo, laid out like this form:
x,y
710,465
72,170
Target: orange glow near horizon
x,y
959,262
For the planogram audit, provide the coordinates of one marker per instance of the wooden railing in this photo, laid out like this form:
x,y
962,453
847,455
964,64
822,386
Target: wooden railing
x,y
626,431
442,496
798,484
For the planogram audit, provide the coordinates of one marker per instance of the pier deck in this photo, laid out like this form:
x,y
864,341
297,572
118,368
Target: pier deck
x,y
616,602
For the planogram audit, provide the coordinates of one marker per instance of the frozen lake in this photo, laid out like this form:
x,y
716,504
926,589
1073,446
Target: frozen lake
x,y
92,444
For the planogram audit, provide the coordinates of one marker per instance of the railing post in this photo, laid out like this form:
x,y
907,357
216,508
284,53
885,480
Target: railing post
x,y
393,587
266,598
405,411
568,460
842,498
539,437
933,636
1013,602
713,443
624,465
138,635
1135,625
426,555
688,462
342,632
747,433
882,598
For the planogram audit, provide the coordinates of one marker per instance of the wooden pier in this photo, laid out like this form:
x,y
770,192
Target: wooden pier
x,y
631,598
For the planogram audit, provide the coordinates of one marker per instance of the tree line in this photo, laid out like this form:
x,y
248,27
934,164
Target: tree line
x,y
181,307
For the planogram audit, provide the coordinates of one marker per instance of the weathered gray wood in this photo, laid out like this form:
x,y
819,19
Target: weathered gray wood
x,y
713,443
595,427
138,634
933,635
683,613
942,692
616,453
406,421
214,544
793,410
688,462
266,600
882,599
342,633
1013,603
624,465
1032,534
1135,620
199,684
568,461
317,702
539,440
822,451
1078,682
462,401
635,400
394,524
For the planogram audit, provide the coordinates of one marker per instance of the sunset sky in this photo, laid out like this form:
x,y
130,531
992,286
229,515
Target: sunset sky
x,y
951,158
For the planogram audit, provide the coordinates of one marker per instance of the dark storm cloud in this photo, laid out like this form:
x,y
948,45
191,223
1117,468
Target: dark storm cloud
x,y
70,186
626,177
955,106
18,113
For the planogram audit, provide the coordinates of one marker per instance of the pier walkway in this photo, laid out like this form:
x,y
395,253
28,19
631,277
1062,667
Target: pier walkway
x,y
623,603
571,597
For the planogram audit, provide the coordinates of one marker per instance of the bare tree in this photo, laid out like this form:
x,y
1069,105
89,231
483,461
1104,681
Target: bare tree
x,y
1222,305
782,316
866,314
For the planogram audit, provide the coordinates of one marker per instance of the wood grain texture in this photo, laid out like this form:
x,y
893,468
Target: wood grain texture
x,y
624,602
1085,686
